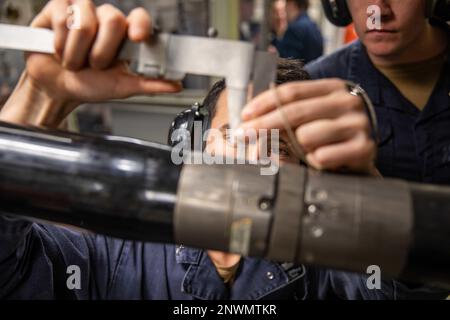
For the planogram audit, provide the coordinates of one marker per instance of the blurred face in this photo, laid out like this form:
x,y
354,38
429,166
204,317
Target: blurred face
x,y
292,10
403,25
279,10
219,145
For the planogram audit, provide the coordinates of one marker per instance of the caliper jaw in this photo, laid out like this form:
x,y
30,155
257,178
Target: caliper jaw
x,y
171,57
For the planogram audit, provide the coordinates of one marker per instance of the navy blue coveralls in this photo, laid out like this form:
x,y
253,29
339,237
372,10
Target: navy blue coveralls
x,y
35,261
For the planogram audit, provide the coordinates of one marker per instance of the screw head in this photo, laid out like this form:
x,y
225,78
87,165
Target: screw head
x,y
317,232
313,210
212,32
265,204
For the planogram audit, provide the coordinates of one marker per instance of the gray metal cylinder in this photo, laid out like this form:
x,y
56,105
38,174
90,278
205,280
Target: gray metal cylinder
x,y
353,222
226,207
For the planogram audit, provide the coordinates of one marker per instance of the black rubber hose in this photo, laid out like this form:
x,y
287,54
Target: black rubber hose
x,y
115,186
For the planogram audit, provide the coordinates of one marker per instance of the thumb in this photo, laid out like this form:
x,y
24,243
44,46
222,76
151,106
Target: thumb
x,y
131,84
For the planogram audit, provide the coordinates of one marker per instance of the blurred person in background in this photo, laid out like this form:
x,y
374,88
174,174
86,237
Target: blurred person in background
x,y
296,35
249,30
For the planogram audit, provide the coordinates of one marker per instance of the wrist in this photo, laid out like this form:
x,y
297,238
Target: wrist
x,y
30,105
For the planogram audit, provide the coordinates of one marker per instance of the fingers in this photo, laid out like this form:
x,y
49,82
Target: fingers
x,y
330,124
356,154
340,143
112,28
139,25
300,112
149,86
98,34
129,84
316,134
54,16
80,39
288,93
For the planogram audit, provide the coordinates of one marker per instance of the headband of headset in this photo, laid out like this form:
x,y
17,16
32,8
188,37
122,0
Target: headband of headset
x,y
337,11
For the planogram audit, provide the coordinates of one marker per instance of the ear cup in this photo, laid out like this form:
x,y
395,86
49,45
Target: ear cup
x,y
430,5
184,125
337,12
439,9
180,126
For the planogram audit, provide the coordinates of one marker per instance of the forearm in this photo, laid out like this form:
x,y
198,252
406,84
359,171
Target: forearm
x,y
29,105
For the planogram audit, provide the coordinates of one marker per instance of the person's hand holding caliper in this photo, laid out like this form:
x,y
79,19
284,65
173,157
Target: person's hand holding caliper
x,y
84,68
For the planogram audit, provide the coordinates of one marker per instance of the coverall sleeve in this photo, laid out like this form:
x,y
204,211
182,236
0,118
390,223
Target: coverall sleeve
x,y
333,284
38,260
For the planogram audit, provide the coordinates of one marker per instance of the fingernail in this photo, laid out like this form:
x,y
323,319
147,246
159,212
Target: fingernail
x,y
246,114
138,33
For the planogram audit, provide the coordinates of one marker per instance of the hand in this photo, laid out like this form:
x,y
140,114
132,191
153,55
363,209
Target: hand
x,y
329,123
84,68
